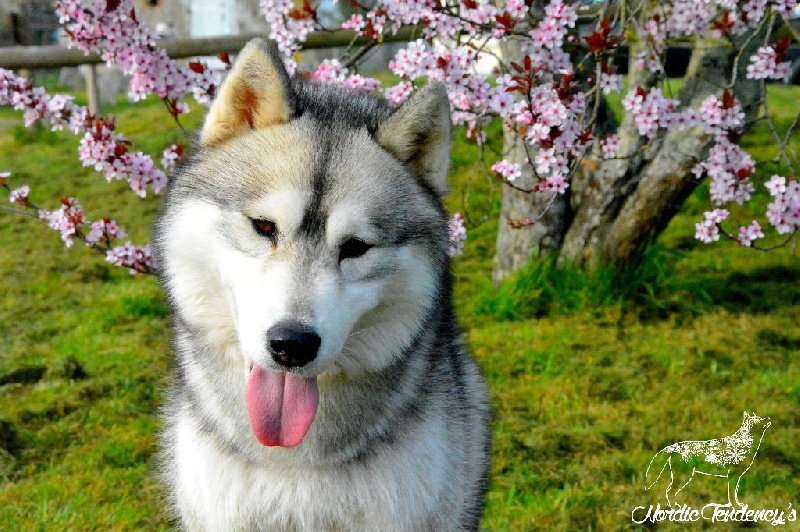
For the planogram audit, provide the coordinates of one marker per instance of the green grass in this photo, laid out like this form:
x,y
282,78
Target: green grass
x,y
589,376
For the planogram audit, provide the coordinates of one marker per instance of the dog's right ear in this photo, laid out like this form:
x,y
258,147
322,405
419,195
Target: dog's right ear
x,y
256,93
419,134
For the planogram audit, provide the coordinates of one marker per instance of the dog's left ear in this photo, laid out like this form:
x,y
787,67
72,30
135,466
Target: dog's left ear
x,y
256,93
419,135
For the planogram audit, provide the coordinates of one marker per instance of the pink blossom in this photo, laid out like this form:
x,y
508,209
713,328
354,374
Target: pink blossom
x,y
355,23
764,65
610,145
399,93
101,147
611,83
516,8
121,39
749,234
651,111
331,71
776,185
707,231
721,115
507,170
556,182
729,168
104,228
67,220
783,212
457,235
170,156
359,83
19,195
137,259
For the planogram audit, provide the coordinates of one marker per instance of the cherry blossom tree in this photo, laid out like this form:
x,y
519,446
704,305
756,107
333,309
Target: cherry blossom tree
x,y
575,183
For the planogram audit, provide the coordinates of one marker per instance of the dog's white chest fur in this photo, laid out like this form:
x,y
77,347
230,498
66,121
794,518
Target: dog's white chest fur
x,y
395,489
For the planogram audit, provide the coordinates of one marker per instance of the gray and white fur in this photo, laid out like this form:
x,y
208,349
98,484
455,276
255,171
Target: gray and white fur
x,y
357,260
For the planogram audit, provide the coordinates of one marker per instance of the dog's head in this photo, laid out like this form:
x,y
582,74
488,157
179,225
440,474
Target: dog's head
x,y
307,235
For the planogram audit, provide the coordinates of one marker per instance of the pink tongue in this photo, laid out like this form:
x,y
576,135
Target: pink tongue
x,y
281,406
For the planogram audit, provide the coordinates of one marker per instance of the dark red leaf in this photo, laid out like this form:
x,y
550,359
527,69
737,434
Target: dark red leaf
x,y
599,41
564,85
728,100
596,42
743,173
724,23
781,47
504,21
225,58
370,32
196,66
734,136
111,5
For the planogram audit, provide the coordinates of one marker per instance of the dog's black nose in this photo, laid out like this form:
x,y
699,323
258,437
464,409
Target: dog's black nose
x,y
292,344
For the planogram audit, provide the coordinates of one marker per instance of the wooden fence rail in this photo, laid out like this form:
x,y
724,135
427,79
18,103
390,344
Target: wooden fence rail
x,y
40,57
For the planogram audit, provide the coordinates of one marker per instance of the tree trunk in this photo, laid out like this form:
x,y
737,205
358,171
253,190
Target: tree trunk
x,y
516,246
623,204
667,180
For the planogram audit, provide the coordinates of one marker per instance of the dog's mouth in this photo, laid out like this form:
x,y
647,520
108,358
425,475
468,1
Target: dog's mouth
x,y
281,406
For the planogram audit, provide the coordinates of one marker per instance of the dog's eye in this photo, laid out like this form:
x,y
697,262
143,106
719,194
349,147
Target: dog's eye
x,y
353,248
265,228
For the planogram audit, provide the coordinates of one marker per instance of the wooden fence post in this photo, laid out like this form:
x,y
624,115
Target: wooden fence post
x,y
92,90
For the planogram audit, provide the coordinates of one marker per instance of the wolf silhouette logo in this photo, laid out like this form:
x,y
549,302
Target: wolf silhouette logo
x,y
728,457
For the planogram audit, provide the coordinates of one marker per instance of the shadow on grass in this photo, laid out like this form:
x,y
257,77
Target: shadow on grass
x,y
650,287
759,291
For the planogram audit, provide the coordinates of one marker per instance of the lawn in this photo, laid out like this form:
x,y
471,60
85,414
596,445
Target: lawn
x,y
585,390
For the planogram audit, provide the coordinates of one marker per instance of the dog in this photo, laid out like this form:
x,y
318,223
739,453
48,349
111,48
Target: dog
x,y
731,456
320,381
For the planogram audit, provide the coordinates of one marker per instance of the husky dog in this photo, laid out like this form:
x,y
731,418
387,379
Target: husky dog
x,y
321,382
728,457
